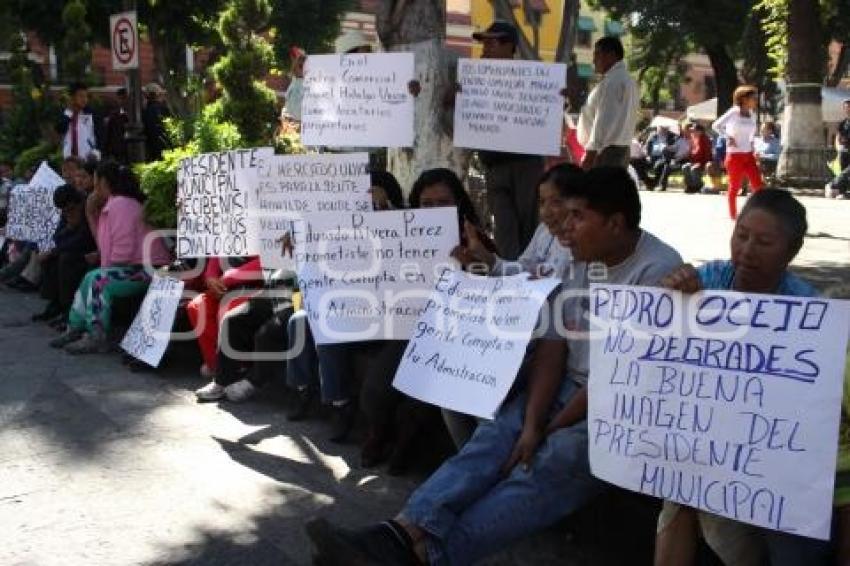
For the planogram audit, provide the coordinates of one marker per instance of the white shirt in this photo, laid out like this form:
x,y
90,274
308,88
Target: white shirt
x,y
294,95
735,126
610,114
86,142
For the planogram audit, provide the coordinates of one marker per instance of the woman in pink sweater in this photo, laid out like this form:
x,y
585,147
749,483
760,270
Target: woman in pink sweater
x,y
125,249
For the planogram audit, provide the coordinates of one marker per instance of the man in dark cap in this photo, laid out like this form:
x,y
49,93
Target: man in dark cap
x,y
511,178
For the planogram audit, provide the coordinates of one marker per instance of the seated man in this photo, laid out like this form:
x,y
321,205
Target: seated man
x,y
528,468
654,149
768,147
674,156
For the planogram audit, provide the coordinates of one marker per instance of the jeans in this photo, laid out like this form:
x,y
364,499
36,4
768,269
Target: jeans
x,y
471,510
693,177
303,369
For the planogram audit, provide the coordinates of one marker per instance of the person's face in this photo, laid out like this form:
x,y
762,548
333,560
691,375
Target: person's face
x,y
495,48
749,103
298,67
551,206
760,251
80,98
602,60
380,200
83,181
589,235
435,196
69,172
101,187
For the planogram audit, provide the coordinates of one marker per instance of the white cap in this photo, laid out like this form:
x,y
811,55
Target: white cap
x,y
351,40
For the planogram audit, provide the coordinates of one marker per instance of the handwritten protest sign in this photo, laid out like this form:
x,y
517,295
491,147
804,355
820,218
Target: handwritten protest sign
x,y
32,216
148,336
293,186
212,192
511,106
468,345
721,401
366,276
358,99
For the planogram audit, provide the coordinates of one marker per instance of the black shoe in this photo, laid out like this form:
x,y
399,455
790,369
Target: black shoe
x,y
342,421
50,312
385,544
301,403
22,285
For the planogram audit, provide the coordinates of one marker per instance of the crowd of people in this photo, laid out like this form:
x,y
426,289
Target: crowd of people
x,y
526,469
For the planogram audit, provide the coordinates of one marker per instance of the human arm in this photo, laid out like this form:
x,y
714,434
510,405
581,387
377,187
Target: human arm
x,y
720,126
547,372
684,278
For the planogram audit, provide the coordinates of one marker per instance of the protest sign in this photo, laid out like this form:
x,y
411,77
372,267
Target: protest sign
x,y
213,203
148,336
721,401
32,216
468,345
292,186
366,276
358,99
511,106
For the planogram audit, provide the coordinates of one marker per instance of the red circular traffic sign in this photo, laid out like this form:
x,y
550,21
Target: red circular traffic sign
x,y
124,41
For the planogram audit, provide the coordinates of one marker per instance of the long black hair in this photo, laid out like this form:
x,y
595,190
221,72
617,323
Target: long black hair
x,y
122,181
388,182
447,177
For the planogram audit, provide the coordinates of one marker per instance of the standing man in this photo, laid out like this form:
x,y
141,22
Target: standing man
x,y
115,142
511,178
607,121
153,120
77,125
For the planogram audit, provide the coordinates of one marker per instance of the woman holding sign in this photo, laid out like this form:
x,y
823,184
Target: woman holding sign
x,y
767,236
121,234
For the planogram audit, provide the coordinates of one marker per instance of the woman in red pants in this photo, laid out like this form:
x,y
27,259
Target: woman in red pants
x,y
738,127
221,276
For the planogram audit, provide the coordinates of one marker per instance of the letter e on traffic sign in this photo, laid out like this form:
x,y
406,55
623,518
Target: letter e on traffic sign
x,y
125,41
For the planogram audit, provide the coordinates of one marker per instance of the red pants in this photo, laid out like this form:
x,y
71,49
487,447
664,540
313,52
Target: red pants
x,y
738,166
205,313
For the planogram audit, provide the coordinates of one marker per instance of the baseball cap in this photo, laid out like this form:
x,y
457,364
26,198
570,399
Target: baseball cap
x,y
498,30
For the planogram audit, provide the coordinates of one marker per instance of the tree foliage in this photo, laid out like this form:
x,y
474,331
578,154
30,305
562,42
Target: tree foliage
x,y
310,24
76,50
246,100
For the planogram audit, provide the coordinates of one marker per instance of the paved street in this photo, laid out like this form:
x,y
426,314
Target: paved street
x,y
101,466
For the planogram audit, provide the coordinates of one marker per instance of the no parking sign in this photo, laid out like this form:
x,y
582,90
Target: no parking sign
x,y
125,41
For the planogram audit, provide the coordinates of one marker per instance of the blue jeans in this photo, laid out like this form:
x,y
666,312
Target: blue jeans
x,y
330,364
471,510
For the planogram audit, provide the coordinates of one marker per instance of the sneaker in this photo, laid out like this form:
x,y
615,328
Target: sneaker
x,y
300,406
828,191
342,421
212,391
382,544
69,336
239,391
91,343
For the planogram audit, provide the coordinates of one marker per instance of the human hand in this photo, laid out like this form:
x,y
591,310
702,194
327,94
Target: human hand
x,y
474,251
524,449
684,278
215,286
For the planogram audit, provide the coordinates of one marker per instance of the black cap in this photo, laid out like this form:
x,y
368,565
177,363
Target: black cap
x,y
498,30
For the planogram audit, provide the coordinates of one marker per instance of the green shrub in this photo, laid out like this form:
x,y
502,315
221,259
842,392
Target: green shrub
x,y
32,158
158,181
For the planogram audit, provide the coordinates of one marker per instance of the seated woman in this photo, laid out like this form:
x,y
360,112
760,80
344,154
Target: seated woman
x,y
767,236
121,234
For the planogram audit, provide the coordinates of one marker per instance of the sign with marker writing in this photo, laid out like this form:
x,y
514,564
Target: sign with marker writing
x,y
513,106
722,401
358,99
213,192
295,186
148,336
367,276
32,216
468,345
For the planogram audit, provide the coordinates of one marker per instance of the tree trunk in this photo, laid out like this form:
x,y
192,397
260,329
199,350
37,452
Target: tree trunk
x,y
725,75
567,36
419,26
803,161
841,65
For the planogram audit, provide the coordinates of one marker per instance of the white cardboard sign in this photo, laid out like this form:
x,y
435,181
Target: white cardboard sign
x,y
722,401
358,99
367,276
469,343
291,187
148,336
213,193
513,106
32,216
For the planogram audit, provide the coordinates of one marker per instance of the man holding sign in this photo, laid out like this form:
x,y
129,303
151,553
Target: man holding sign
x,y
528,468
